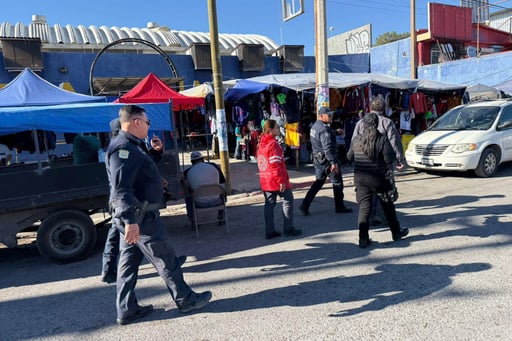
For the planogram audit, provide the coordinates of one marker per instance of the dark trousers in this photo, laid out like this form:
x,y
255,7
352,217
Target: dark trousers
x,y
152,245
366,188
322,171
111,251
341,153
270,204
418,123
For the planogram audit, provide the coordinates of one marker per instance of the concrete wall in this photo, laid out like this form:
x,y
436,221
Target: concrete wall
x,y
354,41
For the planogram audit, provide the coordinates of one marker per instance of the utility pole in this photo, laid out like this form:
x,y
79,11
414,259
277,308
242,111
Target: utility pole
x,y
413,39
321,56
220,112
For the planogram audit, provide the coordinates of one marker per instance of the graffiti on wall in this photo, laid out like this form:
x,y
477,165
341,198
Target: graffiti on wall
x,y
358,42
355,41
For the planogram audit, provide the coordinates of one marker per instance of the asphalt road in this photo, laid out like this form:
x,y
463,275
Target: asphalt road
x,y
451,279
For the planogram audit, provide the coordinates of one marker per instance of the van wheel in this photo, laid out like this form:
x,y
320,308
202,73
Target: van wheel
x,y
67,235
488,164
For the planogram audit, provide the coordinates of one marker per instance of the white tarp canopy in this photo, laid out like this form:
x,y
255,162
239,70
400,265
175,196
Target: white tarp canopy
x,y
506,87
304,81
391,81
426,84
480,91
201,90
307,81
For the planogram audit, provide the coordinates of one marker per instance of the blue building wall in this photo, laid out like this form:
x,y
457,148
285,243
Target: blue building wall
x,y
488,70
394,59
391,59
78,65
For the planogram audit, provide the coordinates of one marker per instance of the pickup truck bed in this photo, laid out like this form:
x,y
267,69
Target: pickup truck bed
x,y
57,200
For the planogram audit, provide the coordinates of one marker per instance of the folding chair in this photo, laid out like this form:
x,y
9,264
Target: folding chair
x,y
207,192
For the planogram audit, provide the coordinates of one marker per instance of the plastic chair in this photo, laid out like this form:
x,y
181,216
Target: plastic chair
x,y
200,211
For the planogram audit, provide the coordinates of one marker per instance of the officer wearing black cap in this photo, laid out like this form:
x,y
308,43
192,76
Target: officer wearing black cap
x,y
135,194
323,143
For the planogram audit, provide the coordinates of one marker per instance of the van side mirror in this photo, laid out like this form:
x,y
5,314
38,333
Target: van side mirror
x,y
504,125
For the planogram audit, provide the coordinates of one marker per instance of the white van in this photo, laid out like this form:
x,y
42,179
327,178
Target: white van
x,y
476,137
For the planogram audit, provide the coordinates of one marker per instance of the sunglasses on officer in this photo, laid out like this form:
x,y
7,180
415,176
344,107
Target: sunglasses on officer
x,y
148,121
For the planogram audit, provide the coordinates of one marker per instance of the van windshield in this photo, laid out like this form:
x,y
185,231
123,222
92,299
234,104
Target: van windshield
x,y
467,118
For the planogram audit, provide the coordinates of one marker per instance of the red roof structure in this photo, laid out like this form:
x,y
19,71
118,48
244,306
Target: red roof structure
x,y
152,90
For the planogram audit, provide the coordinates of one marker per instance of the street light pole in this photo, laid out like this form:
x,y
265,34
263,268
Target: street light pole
x,y
478,31
321,56
413,39
220,112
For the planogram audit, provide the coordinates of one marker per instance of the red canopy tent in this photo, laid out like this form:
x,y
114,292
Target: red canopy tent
x,y
152,90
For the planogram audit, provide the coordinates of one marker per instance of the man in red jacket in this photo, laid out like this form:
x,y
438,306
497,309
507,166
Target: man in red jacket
x,y
274,181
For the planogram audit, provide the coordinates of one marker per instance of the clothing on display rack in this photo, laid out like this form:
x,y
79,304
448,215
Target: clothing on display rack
x,y
418,105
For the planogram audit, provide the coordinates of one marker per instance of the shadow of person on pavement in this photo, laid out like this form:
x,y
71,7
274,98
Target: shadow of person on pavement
x,y
450,200
312,255
397,283
247,230
390,285
463,217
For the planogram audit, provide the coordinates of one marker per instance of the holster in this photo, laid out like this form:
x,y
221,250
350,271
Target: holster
x,y
144,207
320,157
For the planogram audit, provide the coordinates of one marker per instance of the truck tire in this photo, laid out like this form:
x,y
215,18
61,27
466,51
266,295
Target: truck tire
x,y
67,235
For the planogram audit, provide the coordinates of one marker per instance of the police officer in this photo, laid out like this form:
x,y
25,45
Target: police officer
x,y
323,142
135,194
111,249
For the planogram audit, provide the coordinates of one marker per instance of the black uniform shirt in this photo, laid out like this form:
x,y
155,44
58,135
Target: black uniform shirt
x,y
322,140
133,176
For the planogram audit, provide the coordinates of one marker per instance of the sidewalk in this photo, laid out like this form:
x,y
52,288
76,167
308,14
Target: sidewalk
x,y
245,179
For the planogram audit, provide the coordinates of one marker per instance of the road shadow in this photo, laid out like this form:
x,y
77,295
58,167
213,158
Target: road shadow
x,y
390,285
308,256
247,228
463,218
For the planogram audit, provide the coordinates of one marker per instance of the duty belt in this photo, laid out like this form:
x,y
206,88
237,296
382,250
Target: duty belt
x,y
320,157
145,207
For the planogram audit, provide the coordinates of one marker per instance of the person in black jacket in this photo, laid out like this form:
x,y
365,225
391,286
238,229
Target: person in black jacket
x,y
323,143
135,196
111,249
373,155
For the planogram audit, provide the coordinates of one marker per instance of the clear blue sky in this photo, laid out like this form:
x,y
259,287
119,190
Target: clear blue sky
x,y
234,16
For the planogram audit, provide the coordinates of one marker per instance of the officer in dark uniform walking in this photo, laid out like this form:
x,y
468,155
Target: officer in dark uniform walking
x,y
111,249
323,142
135,194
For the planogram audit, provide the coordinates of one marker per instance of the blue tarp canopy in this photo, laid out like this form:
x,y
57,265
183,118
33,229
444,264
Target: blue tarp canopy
x,y
28,89
29,102
76,118
242,88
